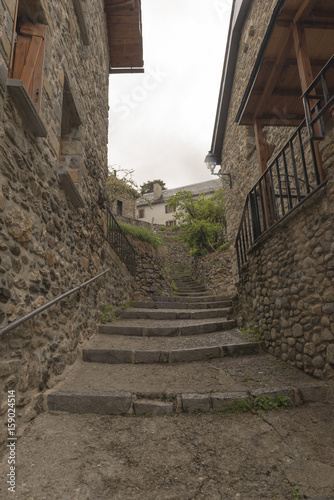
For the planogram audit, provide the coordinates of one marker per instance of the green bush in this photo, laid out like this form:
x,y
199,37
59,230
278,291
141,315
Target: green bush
x,y
142,234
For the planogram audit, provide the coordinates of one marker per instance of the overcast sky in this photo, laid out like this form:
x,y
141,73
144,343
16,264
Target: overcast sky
x,y
161,122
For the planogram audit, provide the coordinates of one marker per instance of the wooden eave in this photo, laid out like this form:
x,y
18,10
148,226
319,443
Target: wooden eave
x,y
124,35
273,93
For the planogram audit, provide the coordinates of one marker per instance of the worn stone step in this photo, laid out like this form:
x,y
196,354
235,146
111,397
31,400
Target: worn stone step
x,y
171,328
114,350
147,313
191,387
183,305
204,299
193,294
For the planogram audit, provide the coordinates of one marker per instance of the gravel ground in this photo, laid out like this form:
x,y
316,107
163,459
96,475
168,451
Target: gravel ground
x,y
180,457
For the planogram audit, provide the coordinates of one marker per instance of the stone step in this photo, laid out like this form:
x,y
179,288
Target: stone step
x,y
171,328
146,313
204,299
191,289
193,294
115,350
183,305
198,386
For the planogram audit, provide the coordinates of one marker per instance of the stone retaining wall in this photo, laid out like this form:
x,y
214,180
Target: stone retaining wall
x,y
215,271
49,244
287,286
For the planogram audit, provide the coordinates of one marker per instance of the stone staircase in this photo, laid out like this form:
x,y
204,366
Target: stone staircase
x,y
177,354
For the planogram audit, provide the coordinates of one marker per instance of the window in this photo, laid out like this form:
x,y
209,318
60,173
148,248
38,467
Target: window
x,y
168,209
141,213
70,147
119,208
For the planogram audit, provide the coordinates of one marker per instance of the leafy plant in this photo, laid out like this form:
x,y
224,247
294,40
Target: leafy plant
x,y
174,286
261,402
201,220
251,332
108,315
224,246
264,402
127,305
296,495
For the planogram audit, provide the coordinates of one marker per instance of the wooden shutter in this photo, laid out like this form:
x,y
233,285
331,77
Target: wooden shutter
x,y
29,58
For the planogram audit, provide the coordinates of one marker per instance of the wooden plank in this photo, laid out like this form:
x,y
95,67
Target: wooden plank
x,y
273,76
122,31
32,29
31,60
304,10
37,79
123,19
22,47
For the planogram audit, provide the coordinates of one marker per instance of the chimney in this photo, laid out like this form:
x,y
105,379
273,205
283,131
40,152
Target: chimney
x,y
157,191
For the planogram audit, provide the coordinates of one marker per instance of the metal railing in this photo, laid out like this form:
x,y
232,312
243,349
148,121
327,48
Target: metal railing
x,y
317,99
290,178
32,314
120,243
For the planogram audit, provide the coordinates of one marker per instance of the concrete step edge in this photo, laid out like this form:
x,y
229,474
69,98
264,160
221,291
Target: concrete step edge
x,y
182,305
162,315
165,331
146,356
125,403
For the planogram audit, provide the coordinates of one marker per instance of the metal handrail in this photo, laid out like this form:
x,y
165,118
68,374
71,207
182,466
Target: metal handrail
x,y
120,243
278,191
30,315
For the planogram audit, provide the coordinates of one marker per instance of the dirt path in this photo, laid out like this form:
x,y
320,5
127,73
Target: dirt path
x,y
179,457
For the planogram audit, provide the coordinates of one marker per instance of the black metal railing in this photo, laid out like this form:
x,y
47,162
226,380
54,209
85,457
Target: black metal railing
x,y
120,243
32,314
317,99
290,178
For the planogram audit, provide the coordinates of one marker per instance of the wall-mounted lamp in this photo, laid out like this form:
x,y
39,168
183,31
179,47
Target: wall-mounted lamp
x,y
212,162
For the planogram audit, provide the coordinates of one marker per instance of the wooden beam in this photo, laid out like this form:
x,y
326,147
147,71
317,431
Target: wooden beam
x,y
306,78
303,57
304,10
273,76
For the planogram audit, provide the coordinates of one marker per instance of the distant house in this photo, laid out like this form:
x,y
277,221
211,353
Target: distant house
x,y
153,207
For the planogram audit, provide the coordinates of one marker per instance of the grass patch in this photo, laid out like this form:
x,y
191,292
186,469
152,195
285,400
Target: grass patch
x,y
108,315
142,234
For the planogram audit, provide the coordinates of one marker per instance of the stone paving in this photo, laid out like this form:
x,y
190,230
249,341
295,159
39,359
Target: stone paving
x,y
131,427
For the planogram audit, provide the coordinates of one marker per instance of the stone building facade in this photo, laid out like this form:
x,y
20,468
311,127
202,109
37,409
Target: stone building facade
x,y
53,157
279,208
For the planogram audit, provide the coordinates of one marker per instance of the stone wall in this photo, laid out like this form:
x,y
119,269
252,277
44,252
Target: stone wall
x,y
287,286
215,271
49,244
156,269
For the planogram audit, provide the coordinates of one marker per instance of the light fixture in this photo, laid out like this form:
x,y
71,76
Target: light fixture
x,y
212,161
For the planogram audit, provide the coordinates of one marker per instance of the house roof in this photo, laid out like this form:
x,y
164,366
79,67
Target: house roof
x,y
273,91
207,187
124,35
